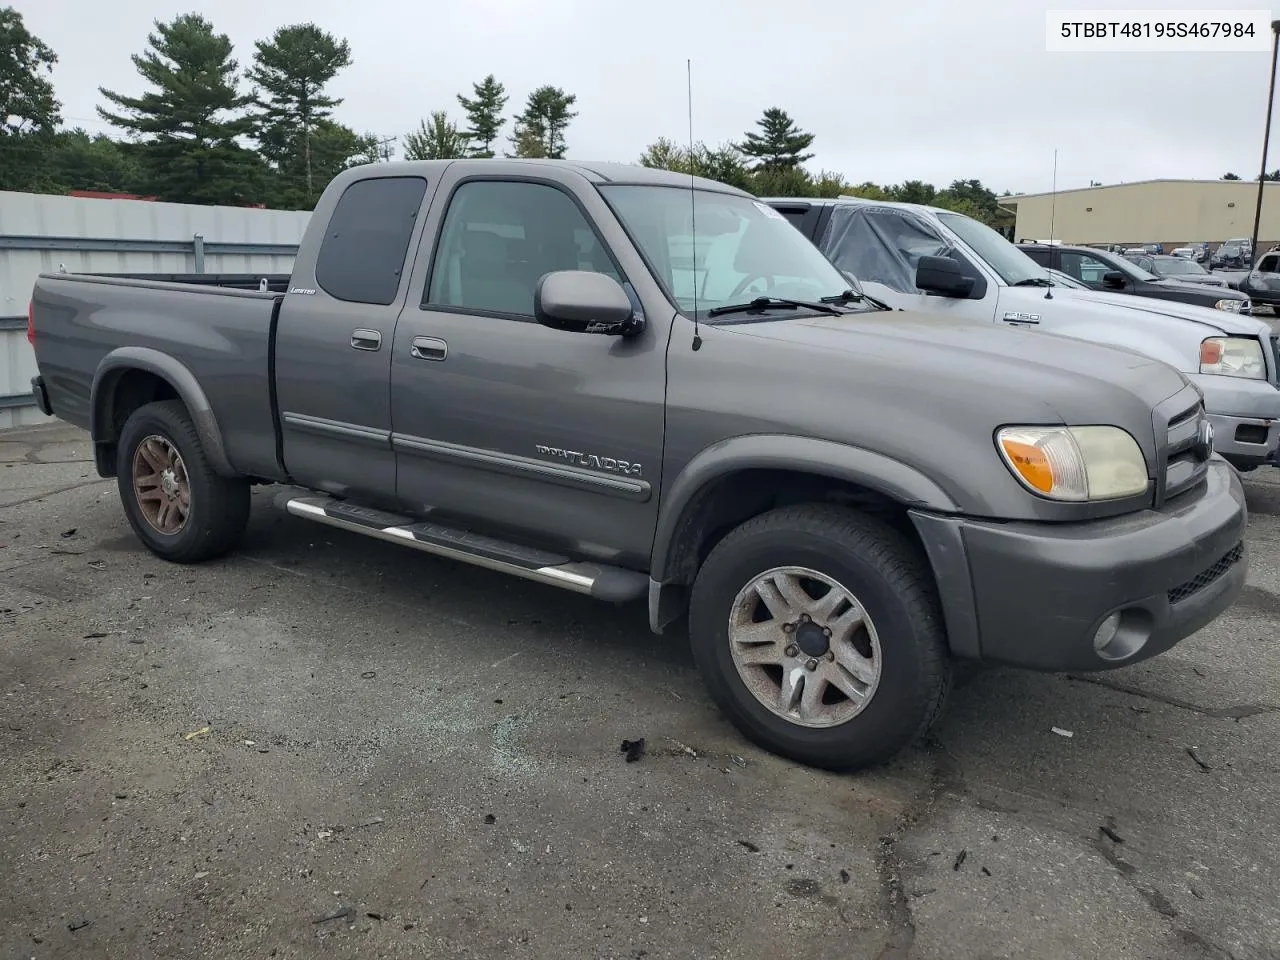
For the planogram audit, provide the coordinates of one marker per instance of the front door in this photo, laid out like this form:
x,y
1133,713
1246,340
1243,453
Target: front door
x,y
507,424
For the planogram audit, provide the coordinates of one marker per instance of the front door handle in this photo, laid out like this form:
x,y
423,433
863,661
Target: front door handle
x,y
428,348
366,339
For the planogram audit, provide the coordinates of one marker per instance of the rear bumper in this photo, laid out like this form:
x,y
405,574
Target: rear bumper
x,y
1034,595
1245,415
42,396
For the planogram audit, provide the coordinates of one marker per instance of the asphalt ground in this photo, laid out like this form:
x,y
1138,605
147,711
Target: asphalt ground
x,y
324,745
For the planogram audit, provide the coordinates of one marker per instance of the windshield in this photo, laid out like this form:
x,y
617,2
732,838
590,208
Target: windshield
x,y
744,248
1172,266
1229,250
1003,257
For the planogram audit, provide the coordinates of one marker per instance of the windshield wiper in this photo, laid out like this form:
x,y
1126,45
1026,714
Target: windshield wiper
x,y
773,303
1034,282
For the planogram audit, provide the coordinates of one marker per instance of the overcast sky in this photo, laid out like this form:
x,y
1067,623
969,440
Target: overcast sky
x,y
928,89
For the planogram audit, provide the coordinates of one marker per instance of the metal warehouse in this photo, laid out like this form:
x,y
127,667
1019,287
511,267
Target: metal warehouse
x,y
1172,212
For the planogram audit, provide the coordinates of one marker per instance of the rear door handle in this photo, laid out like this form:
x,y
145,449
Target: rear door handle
x,y
366,339
429,348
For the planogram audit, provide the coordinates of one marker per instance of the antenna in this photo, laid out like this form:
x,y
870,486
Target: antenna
x,y
1053,207
693,210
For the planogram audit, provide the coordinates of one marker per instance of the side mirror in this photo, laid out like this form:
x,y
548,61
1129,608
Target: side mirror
x,y
582,301
1113,280
942,275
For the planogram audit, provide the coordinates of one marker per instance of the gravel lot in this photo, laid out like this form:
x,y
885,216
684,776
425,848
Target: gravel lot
x,y
325,745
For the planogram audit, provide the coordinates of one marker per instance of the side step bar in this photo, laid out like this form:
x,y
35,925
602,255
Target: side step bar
x,y
596,580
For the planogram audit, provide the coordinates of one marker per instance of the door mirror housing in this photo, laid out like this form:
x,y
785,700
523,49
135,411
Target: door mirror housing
x,y
943,276
1113,280
582,301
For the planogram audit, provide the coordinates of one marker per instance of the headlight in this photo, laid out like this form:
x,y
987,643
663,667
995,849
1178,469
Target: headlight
x,y
1075,463
1233,357
1232,305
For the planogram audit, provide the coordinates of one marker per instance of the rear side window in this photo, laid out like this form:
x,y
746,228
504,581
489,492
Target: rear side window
x,y
361,258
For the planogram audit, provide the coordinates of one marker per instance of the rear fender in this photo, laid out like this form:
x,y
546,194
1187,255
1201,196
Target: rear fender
x,y
107,378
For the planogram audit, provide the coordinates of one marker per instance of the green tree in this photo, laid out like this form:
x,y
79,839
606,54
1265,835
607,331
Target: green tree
x,y
722,163
189,122
292,69
913,191
867,190
27,103
1229,176
484,115
972,198
779,144
29,111
782,181
540,127
79,161
440,141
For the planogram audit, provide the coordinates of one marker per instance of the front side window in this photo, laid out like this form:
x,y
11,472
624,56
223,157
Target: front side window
x,y
1011,264
881,244
500,238
1088,270
712,249
361,258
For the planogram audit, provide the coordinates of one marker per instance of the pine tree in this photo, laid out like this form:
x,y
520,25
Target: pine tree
x,y
189,122
29,111
439,141
540,128
779,144
292,69
484,115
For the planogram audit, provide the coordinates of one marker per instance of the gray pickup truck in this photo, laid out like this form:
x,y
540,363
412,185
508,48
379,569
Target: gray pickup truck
x,y
550,369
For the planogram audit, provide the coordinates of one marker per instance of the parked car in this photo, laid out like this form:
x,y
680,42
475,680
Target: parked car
x,y
883,244
1200,252
1182,269
1108,272
1187,252
1229,255
1262,284
498,362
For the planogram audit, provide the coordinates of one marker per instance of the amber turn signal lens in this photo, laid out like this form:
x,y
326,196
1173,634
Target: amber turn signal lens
x,y
1031,463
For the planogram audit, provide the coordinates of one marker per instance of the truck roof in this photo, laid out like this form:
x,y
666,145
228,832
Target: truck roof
x,y
595,171
855,201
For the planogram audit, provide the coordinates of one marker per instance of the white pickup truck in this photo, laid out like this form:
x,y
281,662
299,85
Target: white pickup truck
x,y
930,260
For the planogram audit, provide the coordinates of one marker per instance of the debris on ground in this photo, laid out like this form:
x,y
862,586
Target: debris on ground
x,y
346,913
960,858
634,749
203,731
368,675
844,876
490,818
374,916
1191,752
202,874
739,761
986,872
69,533
1060,732
370,823
1109,832
75,925
749,845
678,749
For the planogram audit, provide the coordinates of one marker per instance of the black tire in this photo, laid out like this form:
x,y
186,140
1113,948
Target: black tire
x,y
219,507
893,584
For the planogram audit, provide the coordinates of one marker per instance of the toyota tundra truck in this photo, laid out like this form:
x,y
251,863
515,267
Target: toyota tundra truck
x,y
554,370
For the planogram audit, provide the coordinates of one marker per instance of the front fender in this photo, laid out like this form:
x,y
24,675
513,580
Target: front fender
x,y
892,478
124,359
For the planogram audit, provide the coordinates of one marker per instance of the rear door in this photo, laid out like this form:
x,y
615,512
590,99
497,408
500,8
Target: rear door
x,y
333,340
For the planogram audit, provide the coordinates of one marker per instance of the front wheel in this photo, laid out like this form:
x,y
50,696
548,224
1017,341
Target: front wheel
x,y
817,631
177,505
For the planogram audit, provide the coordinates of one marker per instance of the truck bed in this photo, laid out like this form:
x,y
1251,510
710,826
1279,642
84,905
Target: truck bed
x,y
217,334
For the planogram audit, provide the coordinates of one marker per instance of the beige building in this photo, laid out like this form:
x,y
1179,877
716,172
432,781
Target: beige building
x,y
1172,212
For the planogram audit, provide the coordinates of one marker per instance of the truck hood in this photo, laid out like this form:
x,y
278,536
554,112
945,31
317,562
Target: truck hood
x,y
1120,305
1007,369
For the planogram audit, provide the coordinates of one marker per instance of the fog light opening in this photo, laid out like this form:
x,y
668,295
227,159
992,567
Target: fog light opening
x,y
1122,634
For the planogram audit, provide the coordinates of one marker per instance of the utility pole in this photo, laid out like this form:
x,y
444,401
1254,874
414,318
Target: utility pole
x,y
1266,140
385,148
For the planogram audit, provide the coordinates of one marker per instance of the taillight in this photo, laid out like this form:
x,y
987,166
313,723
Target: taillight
x,y
31,322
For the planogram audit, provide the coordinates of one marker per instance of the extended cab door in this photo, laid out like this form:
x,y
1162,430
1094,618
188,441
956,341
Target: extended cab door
x,y
882,247
508,425
333,339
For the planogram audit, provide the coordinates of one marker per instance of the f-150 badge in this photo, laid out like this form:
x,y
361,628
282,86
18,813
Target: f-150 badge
x,y
1014,316
590,460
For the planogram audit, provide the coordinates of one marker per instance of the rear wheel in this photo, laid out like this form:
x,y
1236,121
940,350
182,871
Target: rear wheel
x,y
817,631
177,505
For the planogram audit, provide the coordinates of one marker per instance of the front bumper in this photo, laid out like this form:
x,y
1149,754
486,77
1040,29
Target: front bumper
x,y
1035,594
1245,415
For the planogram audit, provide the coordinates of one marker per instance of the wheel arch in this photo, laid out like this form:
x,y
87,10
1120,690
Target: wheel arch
x,y
130,377
736,479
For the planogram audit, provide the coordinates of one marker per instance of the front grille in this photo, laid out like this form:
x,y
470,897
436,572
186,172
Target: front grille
x,y
1184,464
1207,576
